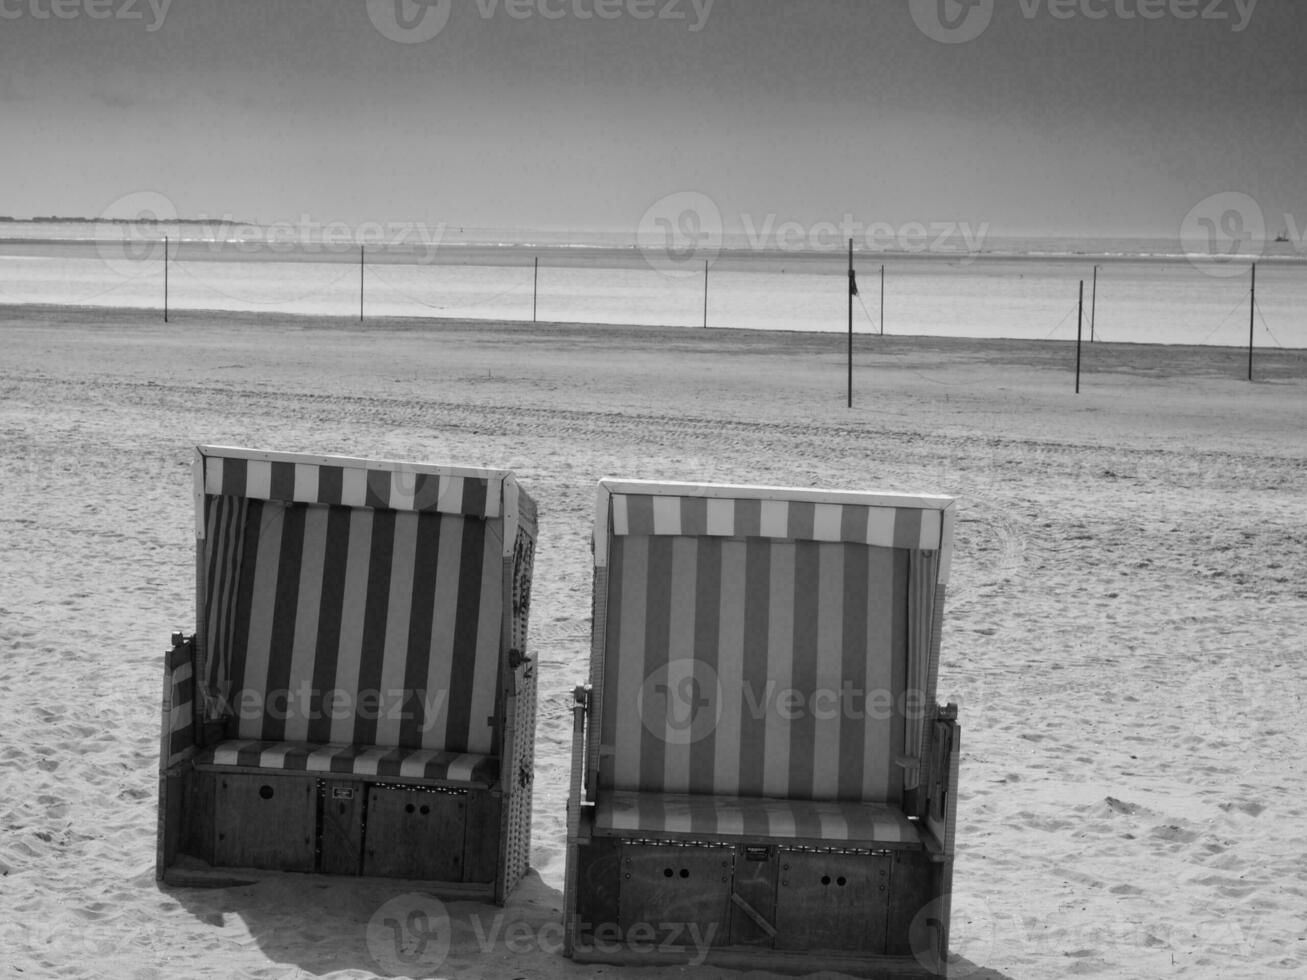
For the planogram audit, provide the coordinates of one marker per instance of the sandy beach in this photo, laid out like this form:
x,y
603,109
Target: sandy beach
x,y
1124,635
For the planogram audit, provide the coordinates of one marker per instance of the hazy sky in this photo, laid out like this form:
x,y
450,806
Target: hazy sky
x,y
1061,116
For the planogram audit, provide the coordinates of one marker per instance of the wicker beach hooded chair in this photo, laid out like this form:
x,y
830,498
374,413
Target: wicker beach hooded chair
x,y
761,776
356,698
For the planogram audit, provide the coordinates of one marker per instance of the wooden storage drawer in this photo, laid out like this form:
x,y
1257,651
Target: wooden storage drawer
x,y
415,833
265,821
832,900
665,889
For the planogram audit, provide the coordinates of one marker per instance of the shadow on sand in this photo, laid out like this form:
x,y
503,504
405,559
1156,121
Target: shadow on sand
x,y
383,927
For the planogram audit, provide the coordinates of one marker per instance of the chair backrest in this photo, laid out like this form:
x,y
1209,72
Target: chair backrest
x,y
756,641
355,601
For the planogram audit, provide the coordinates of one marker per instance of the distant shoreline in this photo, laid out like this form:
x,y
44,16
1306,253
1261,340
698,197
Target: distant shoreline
x,y
522,253
1124,356
61,220
397,241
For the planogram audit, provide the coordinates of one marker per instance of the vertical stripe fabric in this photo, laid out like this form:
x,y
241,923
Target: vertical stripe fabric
x,y
924,652
754,667
179,704
347,624
224,522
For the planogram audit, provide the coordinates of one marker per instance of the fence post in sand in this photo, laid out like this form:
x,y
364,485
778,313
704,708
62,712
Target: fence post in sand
x,y
705,294
1080,319
361,248
165,278
851,289
1252,309
1093,306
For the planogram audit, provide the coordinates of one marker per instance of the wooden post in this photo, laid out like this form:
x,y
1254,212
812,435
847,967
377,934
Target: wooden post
x,y
165,278
1093,306
882,299
705,294
361,247
1080,318
1252,308
850,290
535,289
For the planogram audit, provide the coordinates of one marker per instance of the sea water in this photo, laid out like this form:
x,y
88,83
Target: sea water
x,y
1145,291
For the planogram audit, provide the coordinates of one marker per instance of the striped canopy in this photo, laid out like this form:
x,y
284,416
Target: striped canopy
x,y
352,483
353,602
763,642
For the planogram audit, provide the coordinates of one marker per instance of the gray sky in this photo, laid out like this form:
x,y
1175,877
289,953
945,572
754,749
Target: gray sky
x,y
540,113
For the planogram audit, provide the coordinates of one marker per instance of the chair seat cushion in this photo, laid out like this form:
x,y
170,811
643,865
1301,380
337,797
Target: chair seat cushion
x,y
357,760
626,814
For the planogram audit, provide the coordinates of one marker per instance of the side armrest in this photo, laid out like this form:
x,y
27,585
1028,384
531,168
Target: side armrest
x,y
941,808
181,714
576,795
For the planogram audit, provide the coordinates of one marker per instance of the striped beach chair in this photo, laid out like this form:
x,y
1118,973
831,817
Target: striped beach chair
x,y
357,698
761,776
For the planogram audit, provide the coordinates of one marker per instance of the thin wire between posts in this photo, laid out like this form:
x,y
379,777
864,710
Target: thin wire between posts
x,y
412,297
1234,309
867,312
181,268
1267,327
1066,316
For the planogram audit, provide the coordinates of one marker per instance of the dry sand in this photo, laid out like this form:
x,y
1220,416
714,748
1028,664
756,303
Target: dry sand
x,y
1124,636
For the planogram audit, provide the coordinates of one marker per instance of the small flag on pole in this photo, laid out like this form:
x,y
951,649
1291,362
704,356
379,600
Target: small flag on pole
x,y
853,284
